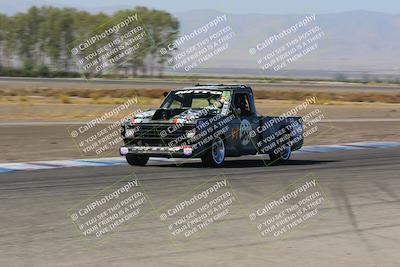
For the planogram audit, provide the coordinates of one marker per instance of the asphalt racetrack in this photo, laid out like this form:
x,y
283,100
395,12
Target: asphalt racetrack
x,y
359,224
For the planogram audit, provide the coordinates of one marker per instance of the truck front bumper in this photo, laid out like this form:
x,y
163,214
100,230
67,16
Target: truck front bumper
x,y
158,151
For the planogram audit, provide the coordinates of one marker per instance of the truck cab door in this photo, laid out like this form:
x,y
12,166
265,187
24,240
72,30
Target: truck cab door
x,y
244,123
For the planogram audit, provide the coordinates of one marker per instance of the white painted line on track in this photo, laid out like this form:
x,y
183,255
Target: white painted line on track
x,y
53,164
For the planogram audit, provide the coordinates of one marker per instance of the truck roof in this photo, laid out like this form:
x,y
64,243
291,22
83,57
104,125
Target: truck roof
x,y
215,87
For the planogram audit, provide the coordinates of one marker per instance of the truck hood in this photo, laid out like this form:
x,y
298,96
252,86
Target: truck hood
x,y
172,115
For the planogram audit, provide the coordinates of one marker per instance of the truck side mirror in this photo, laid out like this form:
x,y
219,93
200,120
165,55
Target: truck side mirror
x,y
165,94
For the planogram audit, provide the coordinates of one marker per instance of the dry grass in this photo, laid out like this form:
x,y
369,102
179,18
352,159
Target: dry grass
x,y
23,98
65,99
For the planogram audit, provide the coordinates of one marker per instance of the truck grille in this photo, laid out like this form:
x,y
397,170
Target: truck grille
x,y
152,134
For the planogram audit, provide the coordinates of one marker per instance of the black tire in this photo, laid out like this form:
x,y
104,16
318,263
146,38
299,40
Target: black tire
x,y
285,153
210,157
136,160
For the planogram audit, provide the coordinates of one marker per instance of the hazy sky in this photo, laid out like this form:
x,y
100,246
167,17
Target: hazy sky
x,y
229,6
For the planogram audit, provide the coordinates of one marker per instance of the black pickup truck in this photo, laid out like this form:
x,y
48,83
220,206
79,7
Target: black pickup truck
x,y
210,122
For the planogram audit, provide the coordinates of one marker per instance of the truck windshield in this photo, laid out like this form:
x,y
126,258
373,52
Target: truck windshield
x,y
197,99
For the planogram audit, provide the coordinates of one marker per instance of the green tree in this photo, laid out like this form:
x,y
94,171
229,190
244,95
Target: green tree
x,y
3,33
165,32
44,36
161,29
8,46
27,37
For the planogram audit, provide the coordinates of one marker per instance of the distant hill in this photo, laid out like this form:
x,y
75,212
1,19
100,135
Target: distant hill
x,y
356,41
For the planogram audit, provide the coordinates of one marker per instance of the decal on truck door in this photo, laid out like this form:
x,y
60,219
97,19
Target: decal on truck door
x,y
245,129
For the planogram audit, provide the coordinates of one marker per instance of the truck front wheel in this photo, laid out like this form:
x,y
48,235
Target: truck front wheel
x,y
214,156
136,160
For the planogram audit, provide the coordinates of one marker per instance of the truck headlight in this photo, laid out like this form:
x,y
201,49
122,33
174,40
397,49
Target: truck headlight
x,y
123,151
191,133
129,133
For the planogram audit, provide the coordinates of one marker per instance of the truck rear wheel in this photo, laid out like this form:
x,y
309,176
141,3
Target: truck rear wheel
x,y
214,156
285,151
136,160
